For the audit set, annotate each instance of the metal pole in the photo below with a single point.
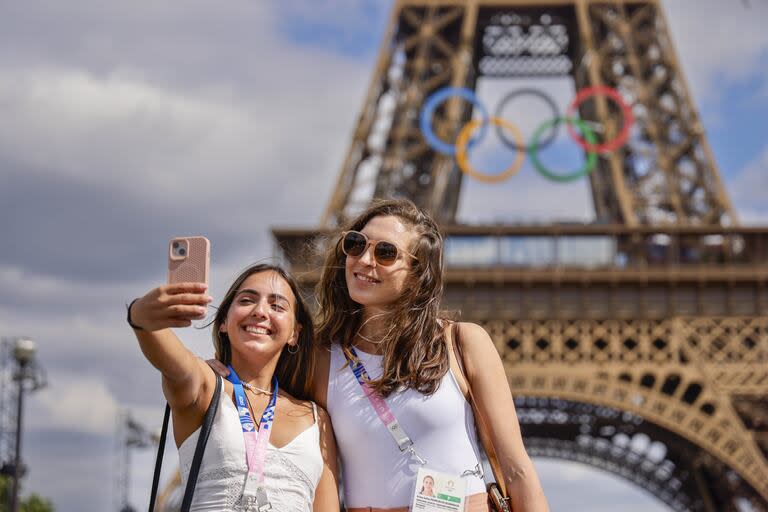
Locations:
(17, 463)
(126, 501)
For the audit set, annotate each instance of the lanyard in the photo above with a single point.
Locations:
(256, 442)
(382, 409)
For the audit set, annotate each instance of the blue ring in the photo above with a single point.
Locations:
(431, 104)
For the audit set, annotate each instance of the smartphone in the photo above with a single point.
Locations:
(189, 259)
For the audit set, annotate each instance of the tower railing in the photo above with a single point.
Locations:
(696, 252)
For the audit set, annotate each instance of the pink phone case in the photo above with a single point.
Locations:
(188, 259)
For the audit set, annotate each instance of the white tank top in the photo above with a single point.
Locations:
(376, 473)
(291, 472)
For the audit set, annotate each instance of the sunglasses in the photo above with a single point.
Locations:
(354, 243)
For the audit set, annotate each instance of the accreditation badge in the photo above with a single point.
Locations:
(438, 492)
(254, 496)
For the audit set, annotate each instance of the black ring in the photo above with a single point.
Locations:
(547, 99)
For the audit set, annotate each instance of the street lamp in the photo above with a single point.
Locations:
(24, 351)
(132, 435)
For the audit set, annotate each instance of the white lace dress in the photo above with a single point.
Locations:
(291, 473)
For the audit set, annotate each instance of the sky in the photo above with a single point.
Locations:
(127, 123)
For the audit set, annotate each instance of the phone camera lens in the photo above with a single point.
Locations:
(182, 251)
(175, 245)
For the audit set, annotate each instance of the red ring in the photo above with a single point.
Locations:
(626, 112)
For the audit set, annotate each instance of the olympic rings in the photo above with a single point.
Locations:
(587, 140)
(626, 111)
(591, 155)
(429, 109)
(463, 161)
(512, 95)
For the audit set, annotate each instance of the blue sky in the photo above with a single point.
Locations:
(128, 123)
(736, 127)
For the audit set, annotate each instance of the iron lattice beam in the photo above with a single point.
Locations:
(426, 47)
(666, 174)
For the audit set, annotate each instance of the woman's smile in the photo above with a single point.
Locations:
(365, 278)
(257, 329)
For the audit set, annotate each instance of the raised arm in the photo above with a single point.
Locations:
(327, 493)
(490, 388)
(185, 376)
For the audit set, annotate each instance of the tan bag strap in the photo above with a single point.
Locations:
(485, 437)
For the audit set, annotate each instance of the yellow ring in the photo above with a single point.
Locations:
(461, 151)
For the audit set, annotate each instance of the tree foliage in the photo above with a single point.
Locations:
(32, 503)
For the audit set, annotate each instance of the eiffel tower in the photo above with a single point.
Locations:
(649, 358)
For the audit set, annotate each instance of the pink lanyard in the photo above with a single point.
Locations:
(256, 443)
(382, 409)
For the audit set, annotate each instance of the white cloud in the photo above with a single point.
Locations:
(750, 190)
(718, 43)
(111, 129)
(28, 287)
(74, 402)
(122, 133)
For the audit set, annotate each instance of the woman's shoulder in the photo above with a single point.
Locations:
(470, 329)
(473, 339)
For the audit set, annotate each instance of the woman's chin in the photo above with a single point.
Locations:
(365, 299)
(257, 347)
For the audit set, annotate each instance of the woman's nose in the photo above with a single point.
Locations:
(259, 309)
(367, 258)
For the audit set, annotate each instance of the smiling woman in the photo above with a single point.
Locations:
(263, 332)
(391, 381)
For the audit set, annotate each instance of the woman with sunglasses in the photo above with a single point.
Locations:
(388, 376)
(263, 332)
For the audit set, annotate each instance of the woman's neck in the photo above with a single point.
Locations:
(373, 329)
(254, 372)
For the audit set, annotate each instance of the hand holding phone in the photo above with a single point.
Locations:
(183, 299)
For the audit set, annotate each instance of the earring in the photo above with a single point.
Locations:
(293, 352)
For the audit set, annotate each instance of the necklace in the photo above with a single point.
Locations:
(256, 389)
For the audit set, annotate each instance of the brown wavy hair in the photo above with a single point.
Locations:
(294, 370)
(414, 348)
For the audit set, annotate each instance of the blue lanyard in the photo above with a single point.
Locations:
(255, 442)
(246, 422)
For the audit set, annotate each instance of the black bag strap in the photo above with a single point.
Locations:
(159, 459)
(205, 431)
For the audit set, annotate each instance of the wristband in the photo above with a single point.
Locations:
(128, 316)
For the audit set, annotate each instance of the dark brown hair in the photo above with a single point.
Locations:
(414, 348)
(294, 370)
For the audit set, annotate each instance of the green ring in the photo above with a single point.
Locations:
(589, 136)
